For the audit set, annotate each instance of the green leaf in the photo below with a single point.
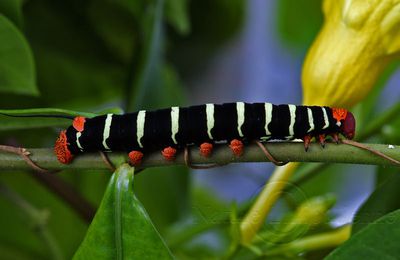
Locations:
(379, 240)
(12, 120)
(383, 200)
(121, 228)
(17, 70)
(74, 79)
(12, 9)
(75, 67)
(149, 72)
(116, 27)
(177, 15)
(134, 7)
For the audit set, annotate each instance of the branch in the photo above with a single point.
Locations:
(68, 193)
(37, 218)
(282, 151)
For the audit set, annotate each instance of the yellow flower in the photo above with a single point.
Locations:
(357, 41)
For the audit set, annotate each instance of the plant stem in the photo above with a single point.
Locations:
(282, 151)
(67, 193)
(313, 242)
(376, 124)
(265, 200)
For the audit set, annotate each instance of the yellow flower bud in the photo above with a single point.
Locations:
(357, 41)
(313, 242)
(309, 214)
(313, 211)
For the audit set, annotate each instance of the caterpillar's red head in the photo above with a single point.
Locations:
(346, 121)
(61, 149)
(349, 126)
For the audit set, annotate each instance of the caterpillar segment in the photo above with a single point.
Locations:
(171, 129)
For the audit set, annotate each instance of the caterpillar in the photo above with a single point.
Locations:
(202, 125)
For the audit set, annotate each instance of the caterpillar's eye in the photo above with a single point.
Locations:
(61, 149)
(349, 126)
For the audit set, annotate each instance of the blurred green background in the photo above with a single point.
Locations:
(91, 55)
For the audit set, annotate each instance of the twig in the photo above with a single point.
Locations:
(35, 216)
(378, 153)
(282, 151)
(67, 193)
(55, 184)
(25, 155)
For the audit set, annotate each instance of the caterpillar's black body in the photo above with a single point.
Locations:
(178, 127)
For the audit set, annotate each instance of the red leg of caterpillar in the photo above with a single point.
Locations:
(236, 147)
(135, 157)
(321, 139)
(206, 149)
(335, 138)
(307, 141)
(169, 153)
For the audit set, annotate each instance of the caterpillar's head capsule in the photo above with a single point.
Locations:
(348, 127)
(345, 121)
(61, 149)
